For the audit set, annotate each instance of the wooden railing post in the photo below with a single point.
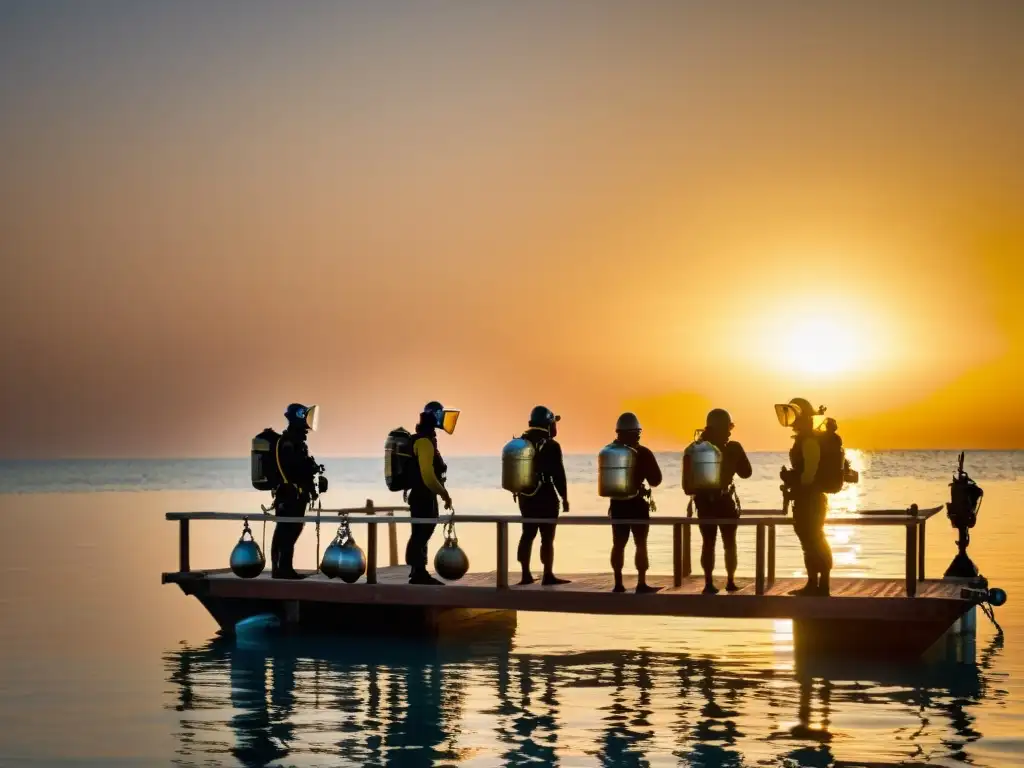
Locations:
(687, 562)
(392, 541)
(371, 553)
(183, 546)
(911, 560)
(920, 549)
(677, 555)
(771, 555)
(503, 555)
(759, 561)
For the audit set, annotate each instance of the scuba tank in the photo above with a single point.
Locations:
(833, 468)
(616, 472)
(397, 458)
(263, 460)
(702, 467)
(519, 467)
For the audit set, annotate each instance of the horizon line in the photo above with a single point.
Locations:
(11, 459)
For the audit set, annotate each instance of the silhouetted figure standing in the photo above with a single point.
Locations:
(428, 476)
(543, 502)
(648, 475)
(721, 504)
(810, 505)
(299, 486)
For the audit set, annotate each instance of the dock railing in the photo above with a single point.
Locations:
(765, 520)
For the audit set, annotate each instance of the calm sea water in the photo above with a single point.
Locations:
(101, 665)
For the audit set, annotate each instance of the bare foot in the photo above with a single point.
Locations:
(550, 581)
(646, 589)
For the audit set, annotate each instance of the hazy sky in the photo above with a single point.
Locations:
(209, 210)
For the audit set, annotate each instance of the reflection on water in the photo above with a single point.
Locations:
(566, 690)
(318, 701)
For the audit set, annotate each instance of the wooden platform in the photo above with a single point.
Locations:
(865, 599)
(862, 616)
(888, 616)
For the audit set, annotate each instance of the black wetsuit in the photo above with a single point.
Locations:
(544, 502)
(636, 508)
(810, 506)
(718, 505)
(291, 498)
(423, 501)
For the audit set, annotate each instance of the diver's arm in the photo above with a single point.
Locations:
(556, 470)
(652, 471)
(425, 455)
(812, 453)
(740, 461)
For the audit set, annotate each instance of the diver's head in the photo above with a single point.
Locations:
(798, 413)
(302, 418)
(542, 417)
(627, 428)
(719, 422)
(436, 416)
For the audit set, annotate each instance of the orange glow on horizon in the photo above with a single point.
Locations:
(659, 209)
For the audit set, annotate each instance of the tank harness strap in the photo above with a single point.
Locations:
(541, 479)
(736, 498)
(643, 490)
(280, 467)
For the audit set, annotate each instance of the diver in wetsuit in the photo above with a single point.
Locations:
(720, 504)
(810, 505)
(428, 476)
(627, 432)
(543, 502)
(299, 486)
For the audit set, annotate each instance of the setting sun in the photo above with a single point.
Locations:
(825, 348)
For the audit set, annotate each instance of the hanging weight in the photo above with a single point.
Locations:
(247, 561)
(450, 562)
(343, 558)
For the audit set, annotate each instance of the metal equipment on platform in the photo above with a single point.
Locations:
(343, 559)
(962, 511)
(247, 560)
(451, 562)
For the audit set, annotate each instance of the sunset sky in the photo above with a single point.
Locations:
(210, 210)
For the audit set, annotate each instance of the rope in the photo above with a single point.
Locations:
(449, 528)
(987, 610)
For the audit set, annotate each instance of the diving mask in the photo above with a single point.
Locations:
(789, 413)
(306, 415)
(444, 418)
(311, 417)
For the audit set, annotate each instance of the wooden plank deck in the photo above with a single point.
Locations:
(851, 599)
